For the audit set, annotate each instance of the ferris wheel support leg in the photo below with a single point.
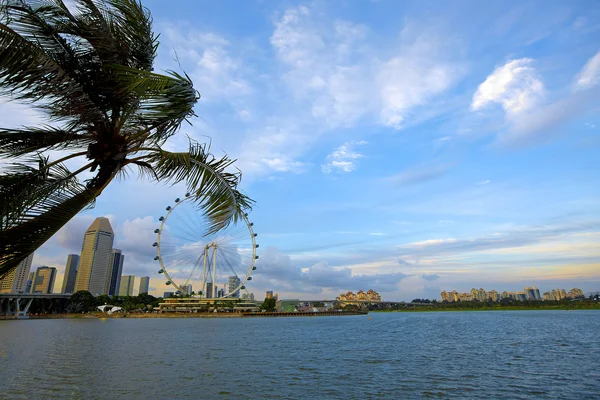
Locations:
(204, 283)
(214, 271)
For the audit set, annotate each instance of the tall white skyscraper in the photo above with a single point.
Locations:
(94, 271)
(116, 265)
(68, 284)
(126, 286)
(144, 284)
(16, 280)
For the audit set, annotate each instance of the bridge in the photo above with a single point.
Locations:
(16, 305)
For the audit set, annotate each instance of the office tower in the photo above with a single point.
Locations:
(186, 289)
(116, 269)
(269, 294)
(234, 282)
(209, 291)
(68, 284)
(43, 281)
(145, 283)
(126, 286)
(93, 274)
(16, 280)
(29, 282)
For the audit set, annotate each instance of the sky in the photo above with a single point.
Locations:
(406, 147)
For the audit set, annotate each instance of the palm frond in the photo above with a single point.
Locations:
(35, 202)
(207, 178)
(17, 142)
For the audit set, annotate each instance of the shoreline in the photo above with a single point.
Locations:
(99, 315)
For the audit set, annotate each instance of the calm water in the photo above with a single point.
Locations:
(521, 355)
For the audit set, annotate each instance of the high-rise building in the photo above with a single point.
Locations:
(233, 283)
(43, 281)
(116, 269)
(16, 280)
(145, 284)
(209, 291)
(68, 285)
(29, 282)
(126, 286)
(94, 271)
(269, 294)
(186, 289)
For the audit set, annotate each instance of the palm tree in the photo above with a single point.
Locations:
(88, 66)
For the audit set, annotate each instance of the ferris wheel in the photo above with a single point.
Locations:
(217, 264)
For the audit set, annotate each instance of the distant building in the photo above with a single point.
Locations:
(29, 282)
(68, 285)
(126, 286)
(116, 269)
(43, 281)
(233, 284)
(94, 272)
(269, 294)
(575, 293)
(16, 280)
(186, 289)
(167, 294)
(209, 291)
(532, 293)
(145, 284)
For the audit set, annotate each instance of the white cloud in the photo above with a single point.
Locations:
(590, 74)
(514, 85)
(342, 159)
(484, 182)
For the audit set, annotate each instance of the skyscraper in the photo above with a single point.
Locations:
(116, 269)
(144, 284)
(43, 281)
(29, 282)
(68, 284)
(16, 280)
(126, 286)
(186, 289)
(93, 274)
(209, 291)
(234, 282)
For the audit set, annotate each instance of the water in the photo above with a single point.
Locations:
(513, 354)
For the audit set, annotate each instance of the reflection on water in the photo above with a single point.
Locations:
(515, 354)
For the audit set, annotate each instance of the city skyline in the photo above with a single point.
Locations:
(440, 176)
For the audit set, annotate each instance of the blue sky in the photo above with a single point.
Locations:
(408, 147)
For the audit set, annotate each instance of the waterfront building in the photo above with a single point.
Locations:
(126, 286)
(29, 282)
(43, 281)
(116, 269)
(209, 291)
(94, 273)
(167, 294)
(575, 293)
(16, 280)
(233, 283)
(269, 294)
(532, 293)
(145, 284)
(68, 285)
(186, 289)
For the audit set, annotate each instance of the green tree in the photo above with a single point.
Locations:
(82, 301)
(89, 67)
(269, 304)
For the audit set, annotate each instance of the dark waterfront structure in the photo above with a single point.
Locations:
(68, 285)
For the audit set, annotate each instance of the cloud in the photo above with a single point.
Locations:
(416, 175)
(430, 277)
(514, 85)
(484, 182)
(590, 74)
(343, 158)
